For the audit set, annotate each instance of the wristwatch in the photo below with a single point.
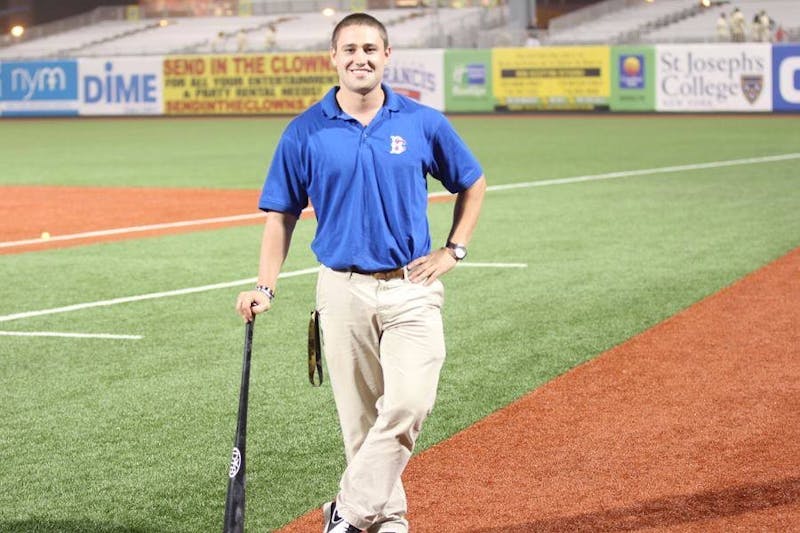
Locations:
(459, 251)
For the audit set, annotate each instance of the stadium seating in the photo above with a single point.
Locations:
(610, 22)
(422, 29)
(701, 28)
(66, 43)
(665, 21)
(294, 32)
(622, 25)
(181, 35)
(311, 31)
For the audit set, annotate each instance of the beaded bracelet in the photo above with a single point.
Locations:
(267, 291)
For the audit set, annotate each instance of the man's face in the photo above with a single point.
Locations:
(360, 58)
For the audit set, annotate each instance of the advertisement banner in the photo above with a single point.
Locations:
(786, 77)
(121, 86)
(714, 77)
(551, 78)
(132, 13)
(418, 74)
(38, 88)
(468, 80)
(633, 78)
(246, 84)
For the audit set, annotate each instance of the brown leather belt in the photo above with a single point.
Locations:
(383, 275)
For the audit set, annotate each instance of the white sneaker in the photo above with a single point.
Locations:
(333, 521)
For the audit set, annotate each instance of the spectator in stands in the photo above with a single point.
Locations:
(755, 25)
(737, 26)
(219, 42)
(241, 41)
(532, 41)
(763, 27)
(780, 35)
(723, 29)
(270, 38)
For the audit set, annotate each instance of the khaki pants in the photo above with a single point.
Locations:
(384, 346)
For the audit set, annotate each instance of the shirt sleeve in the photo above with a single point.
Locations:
(453, 162)
(285, 186)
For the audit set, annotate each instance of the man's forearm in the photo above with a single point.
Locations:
(275, 241)
(466, 212)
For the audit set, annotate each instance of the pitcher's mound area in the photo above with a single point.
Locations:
(693, 425)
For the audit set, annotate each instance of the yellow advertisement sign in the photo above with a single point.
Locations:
(557, 78)
(246, 83)
(132, 13)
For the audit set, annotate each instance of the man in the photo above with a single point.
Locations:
(270, 38)
(723, 30)
(737, 26)
(219, 43)
(764, 27)
(241, 41)
(361, 155)
(532, 41)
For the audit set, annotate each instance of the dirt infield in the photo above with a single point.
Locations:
(76, 216)
(71, 210)
(694, 425)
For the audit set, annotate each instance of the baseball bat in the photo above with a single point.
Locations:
(234, 503)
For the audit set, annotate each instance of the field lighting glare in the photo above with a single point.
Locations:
(328, 12)
(17, 31)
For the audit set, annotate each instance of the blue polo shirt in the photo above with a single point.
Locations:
(368, 185)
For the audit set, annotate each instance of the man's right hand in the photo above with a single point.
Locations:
(251, 303)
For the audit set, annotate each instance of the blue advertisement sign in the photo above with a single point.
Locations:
(786, 77)
(631, 71)
(39, 87)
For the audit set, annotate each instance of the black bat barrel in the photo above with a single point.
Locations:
(234, 503)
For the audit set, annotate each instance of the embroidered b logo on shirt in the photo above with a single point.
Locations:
(398, 145)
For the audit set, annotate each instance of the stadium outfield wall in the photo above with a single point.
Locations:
(750, 77)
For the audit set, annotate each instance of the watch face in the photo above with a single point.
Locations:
(460, 252)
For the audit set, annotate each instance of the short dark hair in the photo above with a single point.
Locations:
(360, 19)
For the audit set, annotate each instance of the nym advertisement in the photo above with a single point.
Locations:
(36, 88)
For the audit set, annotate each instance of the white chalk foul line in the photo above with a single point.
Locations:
(492, 265)
(69, 335)
(132, 229)
(647, 172)
(117, 301)
(192, 290)
(541, 183)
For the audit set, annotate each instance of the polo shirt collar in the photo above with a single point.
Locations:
(392, 102)
(331, 109)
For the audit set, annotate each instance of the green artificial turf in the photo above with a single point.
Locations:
(134, 435)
